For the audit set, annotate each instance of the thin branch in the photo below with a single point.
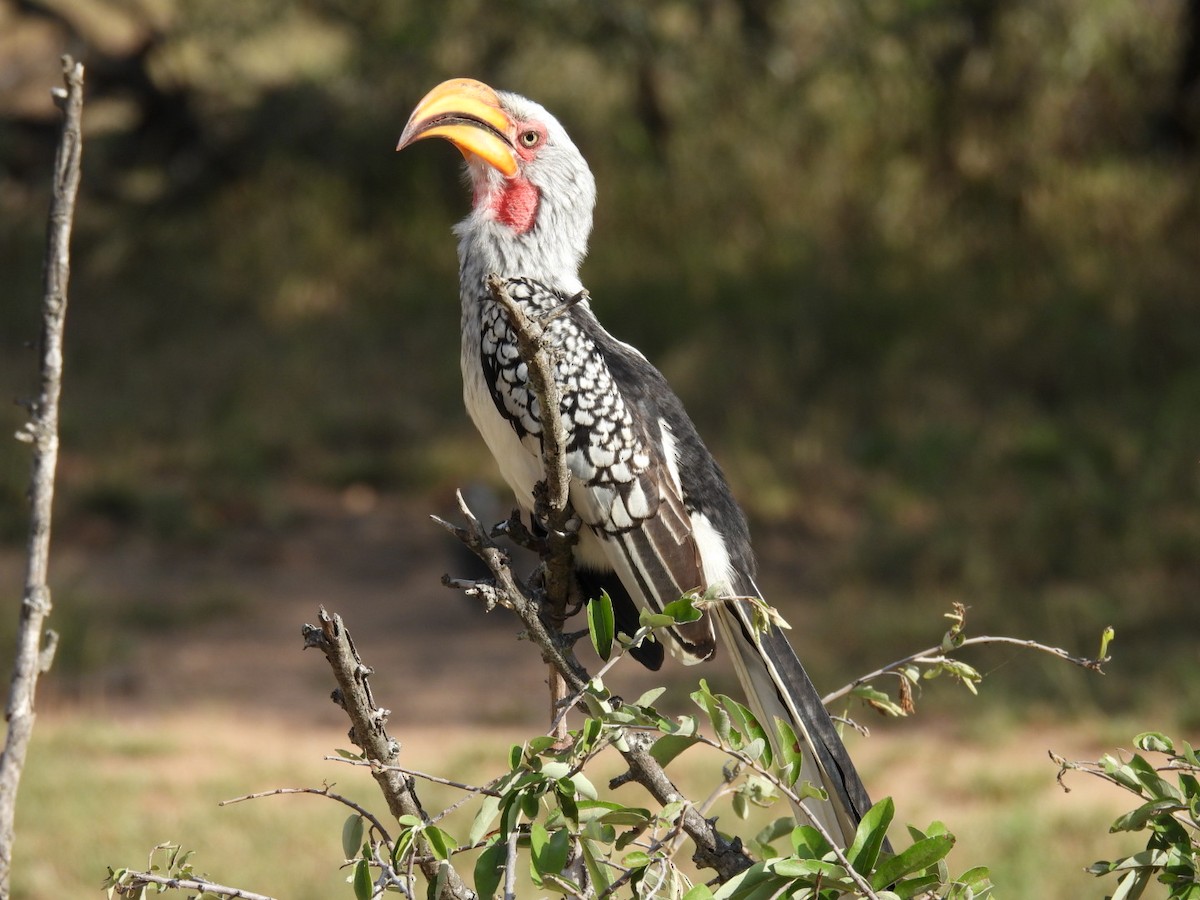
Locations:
(320, 792)
(787, 791)
(510, 866)
(35, 651)
(436, 779)
(673, 838)
(938, 653)
(368, 733)
(132, 882)
(570, 702)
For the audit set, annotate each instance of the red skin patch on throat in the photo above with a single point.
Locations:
(516, 205)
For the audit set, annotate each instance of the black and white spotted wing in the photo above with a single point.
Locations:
(622, 486)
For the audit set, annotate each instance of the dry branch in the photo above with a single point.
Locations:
(35, 650)
(133, 884)
(367, 732)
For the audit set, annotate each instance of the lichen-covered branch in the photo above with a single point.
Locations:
(35, 647)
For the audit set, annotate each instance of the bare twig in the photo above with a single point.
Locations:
(368, 733)
(35, 651)
(320, 792)
(936, 654)
(436, 779)
(132, 884)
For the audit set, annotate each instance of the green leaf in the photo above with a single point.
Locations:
(682, 610)
(754, 882)
(565, 792)
(878, 700)
(538, 839)
(1136, 819)
(871, 833)
(583, 786)
(699, 892)
(669, 746)
(808, 843)
(439, 842)
(1106, 638)
(1155, 742)
(750, 727)
(555, 853)
(638, 818)
(590, 733)
(489, 808)
(761, 842)
(1157, 786)
(352, 836)
(348, 754)
(489, 869)
(540, 744)
(789, 750)
(601, 624)
(438, 885)
(553, 768)
(919, 856)
(717, 714)
(362, 880)
(1120, 772)
(529, 803)
(654, 620)
(1132, 885)
(594, 862)
(799, 868)
(741, 806)
(977, 879)
(647, 699)
(636, 859)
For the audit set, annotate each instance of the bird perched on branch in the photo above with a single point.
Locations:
(658, 518)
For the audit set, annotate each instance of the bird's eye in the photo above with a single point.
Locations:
(530, 138)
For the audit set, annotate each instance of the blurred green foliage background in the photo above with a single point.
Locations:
(925, 272)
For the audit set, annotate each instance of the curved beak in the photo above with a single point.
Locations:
(467, 113)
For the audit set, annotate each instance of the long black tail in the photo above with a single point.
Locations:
(776, 685)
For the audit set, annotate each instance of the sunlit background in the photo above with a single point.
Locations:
(926, 275)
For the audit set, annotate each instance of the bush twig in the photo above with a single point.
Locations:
(937, 654)
(133, 883)
(368, 733)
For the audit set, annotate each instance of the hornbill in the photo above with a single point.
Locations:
(658, 518)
